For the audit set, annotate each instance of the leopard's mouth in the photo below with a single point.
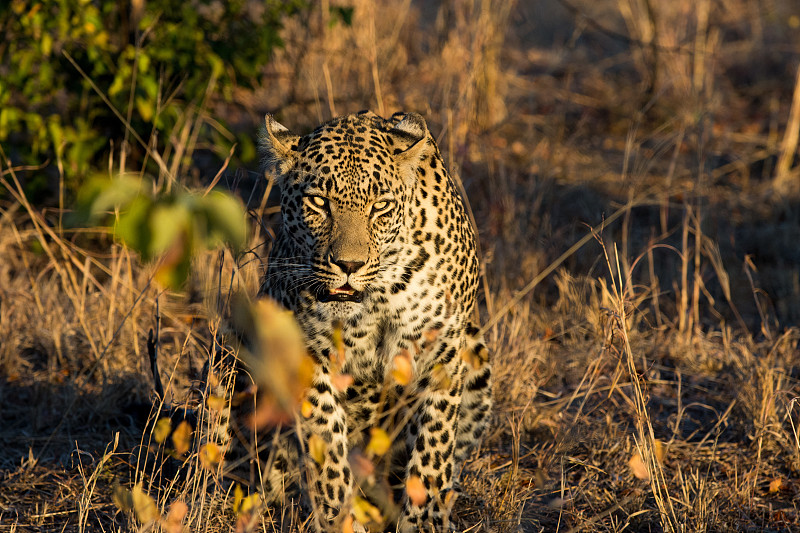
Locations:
(345, 293)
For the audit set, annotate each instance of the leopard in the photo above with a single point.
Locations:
(376, 257)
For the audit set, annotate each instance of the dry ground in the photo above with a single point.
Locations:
(645, 381)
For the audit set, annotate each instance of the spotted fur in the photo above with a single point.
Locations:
(375, 244)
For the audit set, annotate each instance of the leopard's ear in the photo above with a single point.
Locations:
(412, 142)
(277, 146)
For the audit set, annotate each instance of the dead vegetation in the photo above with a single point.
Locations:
(646, 380)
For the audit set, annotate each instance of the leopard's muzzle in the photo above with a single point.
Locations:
(345, 293)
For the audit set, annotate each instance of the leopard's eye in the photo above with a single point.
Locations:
(380, 207)
(318, 202)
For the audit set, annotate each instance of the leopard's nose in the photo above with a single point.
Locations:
(349, 267)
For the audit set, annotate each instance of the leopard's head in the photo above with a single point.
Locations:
(346, 190)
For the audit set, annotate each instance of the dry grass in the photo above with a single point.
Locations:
(649, 383)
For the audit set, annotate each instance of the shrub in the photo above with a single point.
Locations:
(152, 59)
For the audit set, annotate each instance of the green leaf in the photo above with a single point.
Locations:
(145, 107)
(119, 81)
(149, 83)
(56, 133)
(168, 222)
(132, 227)
(175, 266)
(110, 194)
(46, 44)
(143, 62)
(224, 220)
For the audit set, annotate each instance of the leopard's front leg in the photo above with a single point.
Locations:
(432, 451)
(328, 474)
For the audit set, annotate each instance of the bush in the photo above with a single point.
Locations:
(153, 59)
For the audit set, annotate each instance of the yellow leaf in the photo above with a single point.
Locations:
(415, 489)
(182, 437)
(638, 467)
(450, 499)
(173, 523)
(268, 414)
(46, 44)
(441, 379)
(365, 511)
(317, 448)
(341, 381)
(347, 525)
(659, 451)
(242, 504)
(305, 372)
(469, 357)
(379, 442)
(145, 107)
(431, 335)
(306, 408)
(101, 39)
(238, 496)
(338, 358)
(250, 503)
(122, 498)
(144, 506)
(215, 403)
(403, 370)
(278, 358)
(776, 485)
(162, 430)
(475, 359)
(210, 455)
